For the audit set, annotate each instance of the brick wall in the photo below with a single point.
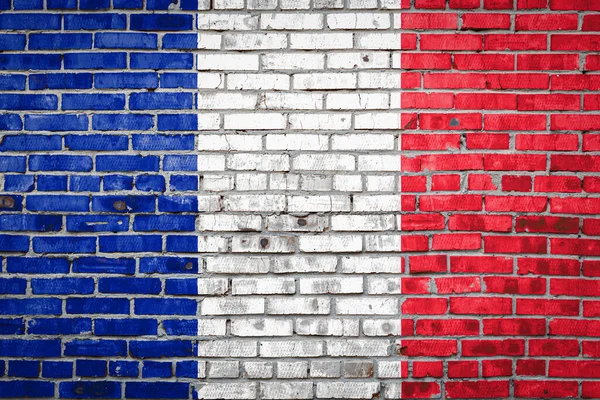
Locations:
(203, 199)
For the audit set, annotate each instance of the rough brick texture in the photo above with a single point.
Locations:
(299, 199)
(500, 198)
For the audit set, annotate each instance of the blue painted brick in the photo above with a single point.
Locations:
(158, 101)
(95, 60)
(11, 326)
(110, 40)
(23, 368)
(165, 307)
(149, 183)
(154, 142)
(61, 4)
(10, 122)
(178, 203)
(10, 41)
(122, 122)
(14, 243)
(37, 265)
(157, 369)
(60, 81)
(92, 22)
(117, 182)
(30, 222)
(4, 4)
(157, 390)
(123, 204)
(102, 265)
(90, 390)
(168, 265)
(28, 4)
(182, 244)
(127, 163)
(180, 41)
(96, 348)
(183, 182)
(24, 62)
(64, 244)
(181, 286)
(59, 122)
(79, 183)
(31, 142)
(93, 102)
(161, 60)
(57, 203)
(59, 326)
(11, 202)
(30, 21)
(125, 327)
(130, 243)
(30, 348)
(128, 4)
(90, 368)
(27, 388)
(38, 306)
(178, 80)
(97, 306)
(52, 183)
(98, 142)
(161, 348)
(60, 41)
(126, 80)
(12, 82)
(179, 122)
(97, 223)
(28, 102)
(164, 223)
(13, 286)
(12, 164)
(175, 162)
(129, 285)
(181, 327)
(63, 286)
(161, 22)
(186, 369)
(94, 4)
(57, 369)
(123, 368)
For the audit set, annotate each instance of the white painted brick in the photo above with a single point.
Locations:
(320, 122)
(262, 4)
(362, 142)
(208, 121)
(284, 181)
(258, 162)
(368, 306)
(389, 369)
(325, 369)
(381, 243)
(212, 327)
(376, 203)
(251, 181)
(348, 183)
(298, 305)
(328, 4)
(286, 390)
(379, 41)
(209, 203)
(327, 327)
(255, 121)
(261, 327)
(258, 81)
(291, 101)
(258, 370)
(232, 306)
(223, 369)
(243, 286)
(237, 265)
(379, 80)
(378, 183)
(377, 121)
(211, 162)
(293, 61)
(291, 21)
(319, 203)
(245, 390)
(263, 244)
(254, 203)
(294, 4)
(226, 62)
(254, 41)
(229, 142)
(210, 80)
(316, 183)
(379, 163)
(330, 243)
(212, 286)
(382, 327)
(209, 41)
(370, 265)
(228, 4)
(309, 41)
(212, 244)
(347, 390)
(358, 21)
(304, 264)
(357, 101)
(324, 81)
(330, 285)
(362, 222)
(358, 347)
(229, 223)
(324, 162)
(297, 142)
(377, 285)
(363, 60)
(217, 183)
(289, 223)
(292, 370)
(222, 101)
(291, 348)
(227, 348)
(226, 21)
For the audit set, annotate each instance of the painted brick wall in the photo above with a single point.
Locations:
(500, 198)
(202, 199)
